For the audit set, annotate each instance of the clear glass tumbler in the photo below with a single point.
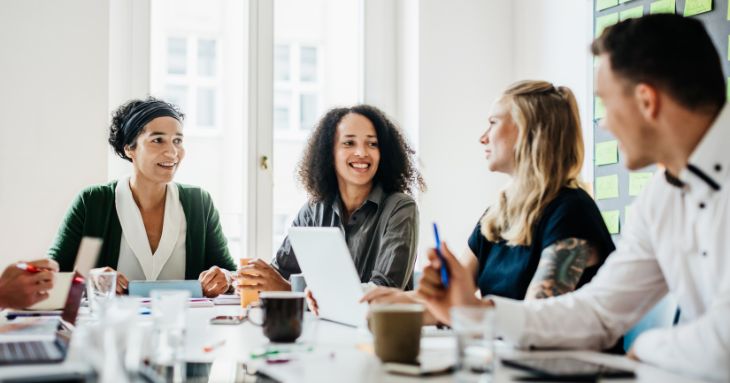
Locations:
(474, 329)
(101, 286)
(169, 311)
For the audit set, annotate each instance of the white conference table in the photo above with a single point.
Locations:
(328, 352)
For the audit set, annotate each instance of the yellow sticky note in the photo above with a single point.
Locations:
(599, 111)
(663, 6)
(638, 181)
(607, 187)
(695, 7)
(611, 217)
(607, 153)
(605, 21)
(603, 4)
(632, 13)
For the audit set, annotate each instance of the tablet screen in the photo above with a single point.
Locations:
(557, 367)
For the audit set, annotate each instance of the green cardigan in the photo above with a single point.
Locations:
(94, 214)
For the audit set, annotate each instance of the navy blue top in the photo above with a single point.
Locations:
(507, 271)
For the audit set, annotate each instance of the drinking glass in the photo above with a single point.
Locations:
(474, 329)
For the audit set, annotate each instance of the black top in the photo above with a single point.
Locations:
(506, 271)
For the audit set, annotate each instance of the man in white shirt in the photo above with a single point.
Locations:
(662, 84)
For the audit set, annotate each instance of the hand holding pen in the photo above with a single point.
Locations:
(25, 283)
(446, 283)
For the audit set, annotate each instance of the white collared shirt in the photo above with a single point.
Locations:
(136, 260)
(677, 239)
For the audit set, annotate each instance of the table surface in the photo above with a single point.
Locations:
(327, 352)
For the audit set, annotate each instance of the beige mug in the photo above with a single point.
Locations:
(396, 331)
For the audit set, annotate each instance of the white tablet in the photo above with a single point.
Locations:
(327, 265)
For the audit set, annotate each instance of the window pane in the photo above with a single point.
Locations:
(210, 88)
(282, 110)
(307, 111)
(177, 95)
(206, 107)
(282, 66)
(177, 53)
(309, 64)
(206, 57)
(301, 29)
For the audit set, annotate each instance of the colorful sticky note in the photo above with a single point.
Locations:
(632, 13)
(603, 4)
(607, 187)
(599, 111)
(728, 88)
(611, 217)
(695, 7)
(607, 153)
(663, 6)
(605, 21)
(638, 181)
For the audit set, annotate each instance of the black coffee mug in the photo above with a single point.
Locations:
(282, 315)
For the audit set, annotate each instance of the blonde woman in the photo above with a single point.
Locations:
(544, 236)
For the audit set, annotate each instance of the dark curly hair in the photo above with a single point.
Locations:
(396, 172)
(117, 137)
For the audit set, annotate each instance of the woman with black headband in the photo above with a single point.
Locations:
(153, 228)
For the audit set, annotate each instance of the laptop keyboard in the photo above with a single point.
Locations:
(28, 352)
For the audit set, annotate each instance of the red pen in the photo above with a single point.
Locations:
(28, 267)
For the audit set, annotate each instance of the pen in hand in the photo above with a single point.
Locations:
(444, 268)
(28, 267)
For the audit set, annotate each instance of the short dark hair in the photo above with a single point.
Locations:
(119, 138)
(396, 172)
(670, 52)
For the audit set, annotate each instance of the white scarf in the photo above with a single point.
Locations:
(135, 243)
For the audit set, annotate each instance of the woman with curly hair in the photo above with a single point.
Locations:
(153, 228)
(358, 171)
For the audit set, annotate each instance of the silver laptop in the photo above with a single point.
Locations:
(54, 351)
(327, 265)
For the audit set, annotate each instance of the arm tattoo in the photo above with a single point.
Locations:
(560, 268)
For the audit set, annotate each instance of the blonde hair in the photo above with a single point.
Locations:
(548, 156)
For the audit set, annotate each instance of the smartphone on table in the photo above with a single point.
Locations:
(227, 319)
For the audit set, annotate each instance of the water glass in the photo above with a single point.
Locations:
(169, 309)
(474, 329)
(100, 288)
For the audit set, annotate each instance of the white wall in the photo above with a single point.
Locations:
(552, 43)
(465, 60)
(469, 51)
(53, 92)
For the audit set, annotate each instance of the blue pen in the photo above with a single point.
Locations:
(444, 268)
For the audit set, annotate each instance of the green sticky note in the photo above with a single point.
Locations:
(695, 7)
(662, 6)
(728, 88)
(637, 182)
(611, 217)
(605, 21)
(607, 187)
(603, 4)
(632, 13)
(599, 111)
(607, 153)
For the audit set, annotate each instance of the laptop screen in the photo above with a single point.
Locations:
(73, 301)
